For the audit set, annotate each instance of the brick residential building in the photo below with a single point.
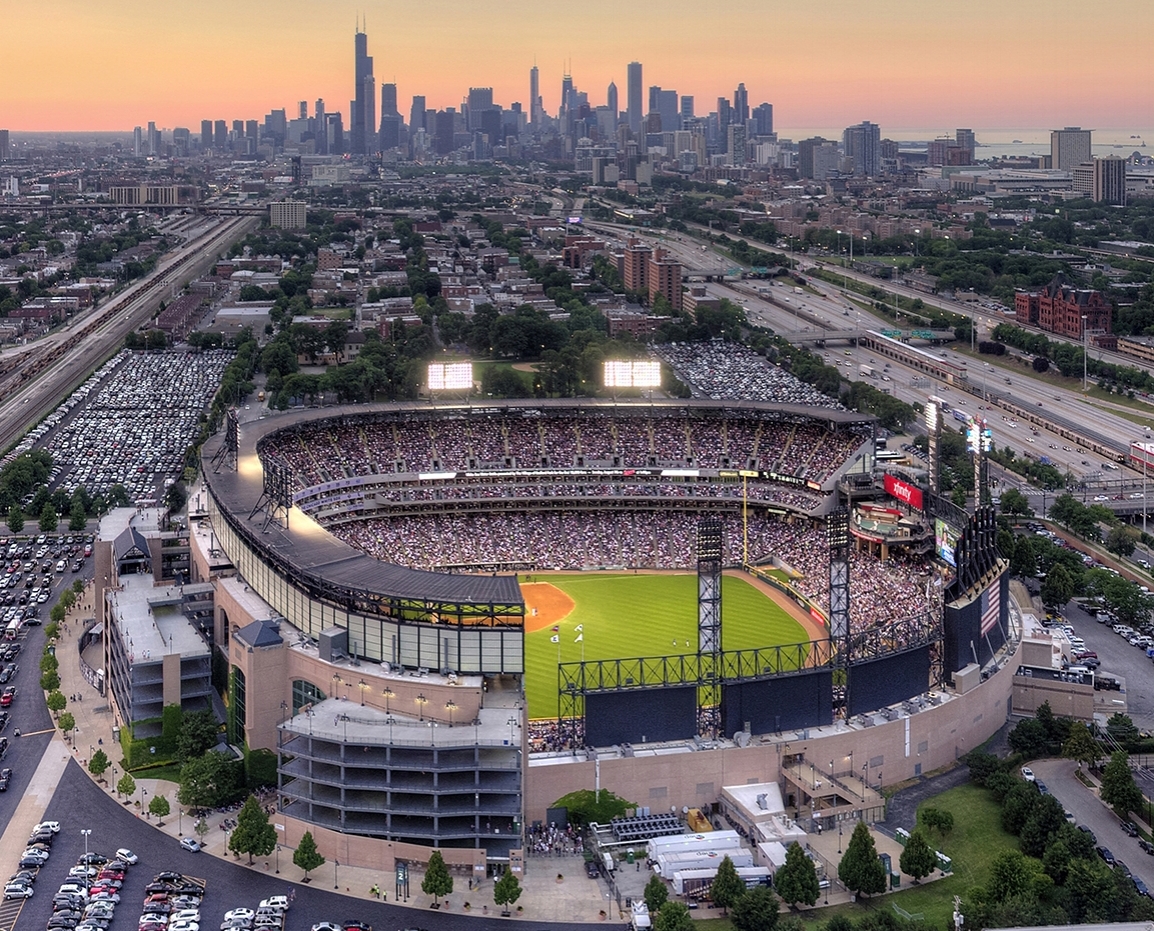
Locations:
(1059, 308)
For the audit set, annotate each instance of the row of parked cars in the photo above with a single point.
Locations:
(171, 903)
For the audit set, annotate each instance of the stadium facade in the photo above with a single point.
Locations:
(393, 696)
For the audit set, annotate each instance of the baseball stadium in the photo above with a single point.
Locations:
(494, 605)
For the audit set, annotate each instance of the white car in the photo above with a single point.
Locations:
(53, 826)
(17, 891)
(183, 926)
(191, 844)
(127, 856)
(245, 913)
(185, 914)
(1028, 774)
(276, 901)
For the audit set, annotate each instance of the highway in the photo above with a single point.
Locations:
(40, 376)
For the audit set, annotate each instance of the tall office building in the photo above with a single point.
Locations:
(735, 144)
(4, 145)
(417, 114)
(206, 134)
(740, 104)
(320, 125)
(137, 142)
(1103, 180)
(762, 117)
(967, 142)
(611, 101)
(686, 108)
(479, 100)
(390, 118)
(180, 143)
(535, 98)
(667, 106)
(363, 107)
(634, 102)
(862, 143)
(220, 135)
(153, 141)
(1069, 148)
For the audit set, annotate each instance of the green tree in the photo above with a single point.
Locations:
(50, 680)
(66, 722)
(437, 881)
(656, 894)
(1122, 539)
(15, 518)
(917, 859)
(99, 764)
(201, 828)
(1121, 728)
(674, 916)
(860, 870)
(77, 518)
(1023, 562)
(158, 805)
(253, 834)
(126, 787)
(1058, 587)
(198, 734)
(757, 910)
(585, 806)
(1011, 874)
(1014, 502)
(1119, 790)
(796, 879)
(727, 886)
(1081, 745)
(49, 519)
(506, 891)
(209, 781)
(306, 856)
(56, 701)
(1028, 737)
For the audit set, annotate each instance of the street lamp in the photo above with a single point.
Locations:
(388, 693)
(421, 702)
(278, 859)
(839, 838)
(450, 706)
(85, 832)
(143, 807)
(336, 868)
(362, 687)
(115, 784)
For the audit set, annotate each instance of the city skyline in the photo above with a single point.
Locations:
(114, 66)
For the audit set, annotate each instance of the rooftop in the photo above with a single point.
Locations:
(151, 620)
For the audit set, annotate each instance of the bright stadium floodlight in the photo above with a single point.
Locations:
(451, 376)
(637, 373)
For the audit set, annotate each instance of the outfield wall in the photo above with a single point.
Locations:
(892, 751)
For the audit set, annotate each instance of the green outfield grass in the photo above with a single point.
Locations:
(643, 615)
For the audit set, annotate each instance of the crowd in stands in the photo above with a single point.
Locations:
(548, 735)
(733, 372)
(880, 592)
(326, 451)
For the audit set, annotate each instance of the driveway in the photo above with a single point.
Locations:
(1086, 807)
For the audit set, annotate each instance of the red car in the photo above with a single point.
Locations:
(8, 696)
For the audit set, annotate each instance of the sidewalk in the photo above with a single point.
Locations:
(574, 898)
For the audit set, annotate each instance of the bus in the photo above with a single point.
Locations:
(12, 631)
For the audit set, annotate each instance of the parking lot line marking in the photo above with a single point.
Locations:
(50, 730)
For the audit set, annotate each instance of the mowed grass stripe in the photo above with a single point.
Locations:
(625, 615)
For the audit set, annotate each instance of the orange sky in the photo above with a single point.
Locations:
(925, 64)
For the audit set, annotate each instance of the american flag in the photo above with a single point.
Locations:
(992, 596)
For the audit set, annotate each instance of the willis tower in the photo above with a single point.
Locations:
(363, 110)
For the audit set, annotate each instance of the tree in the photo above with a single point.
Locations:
(584, 806)
(796, 879)
(49, 519)
(1122, 540)
(1058, 587)
(126, 786)
(15, 518)
(66, 722)
(1119, 790)
(1028, 738)
(437, 881)
(727, 886)
(1011, 874)
(158, 805)
(1014, 502)
(50, 681)
(306, 856)
(937, 819)
(56, 701)
(99, 764)
(860, 870)
(198, 734)
(674, 916)
(201, 828)
(917, 859)
(208, 781)
(253, 834)
(756, 910)
(1081, 745)
(506, 891)
(656, 894)
(982, 765)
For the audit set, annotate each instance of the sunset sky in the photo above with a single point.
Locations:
(906, 64)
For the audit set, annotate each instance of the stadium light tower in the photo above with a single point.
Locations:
(632, 373)
(449, 377)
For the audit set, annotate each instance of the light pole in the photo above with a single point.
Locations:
(85, 832)
(278, 859)
(421, 702)
(388, 693)
(143, 807)
(450, 706)
(115, 784)
(336, 868)
(362, 686)
(1085, 344)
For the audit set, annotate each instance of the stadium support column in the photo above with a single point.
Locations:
(226, 455)
(710, 546)
(276, 497)
(838, 534)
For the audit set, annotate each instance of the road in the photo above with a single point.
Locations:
(1088, 810)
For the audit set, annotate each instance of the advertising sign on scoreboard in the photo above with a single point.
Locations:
(904, 491)
(632, 373)
(451, 376)
(945, 541)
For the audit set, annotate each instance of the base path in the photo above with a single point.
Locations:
(545, 605)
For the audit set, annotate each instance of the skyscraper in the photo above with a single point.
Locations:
(137, 142)
(1069, 148)
(206, 134)
(3, 145)
(740, 104)
(611, 101)
(479, 100)
(535, 97)
(762, 117)
(686, 108)
(363, 107)
(320, 128)
(862, 143)
(634, 101)
(390, 118)
(417, 114)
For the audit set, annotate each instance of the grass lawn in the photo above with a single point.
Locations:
(643, 615)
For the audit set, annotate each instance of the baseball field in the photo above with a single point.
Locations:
(618, 615)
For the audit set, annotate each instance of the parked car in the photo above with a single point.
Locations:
(191, 844)
(1027, 774)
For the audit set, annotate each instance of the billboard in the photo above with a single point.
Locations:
(945, 540)
(632, 373)
(904, 492)
(451, 376)
(640, 715)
